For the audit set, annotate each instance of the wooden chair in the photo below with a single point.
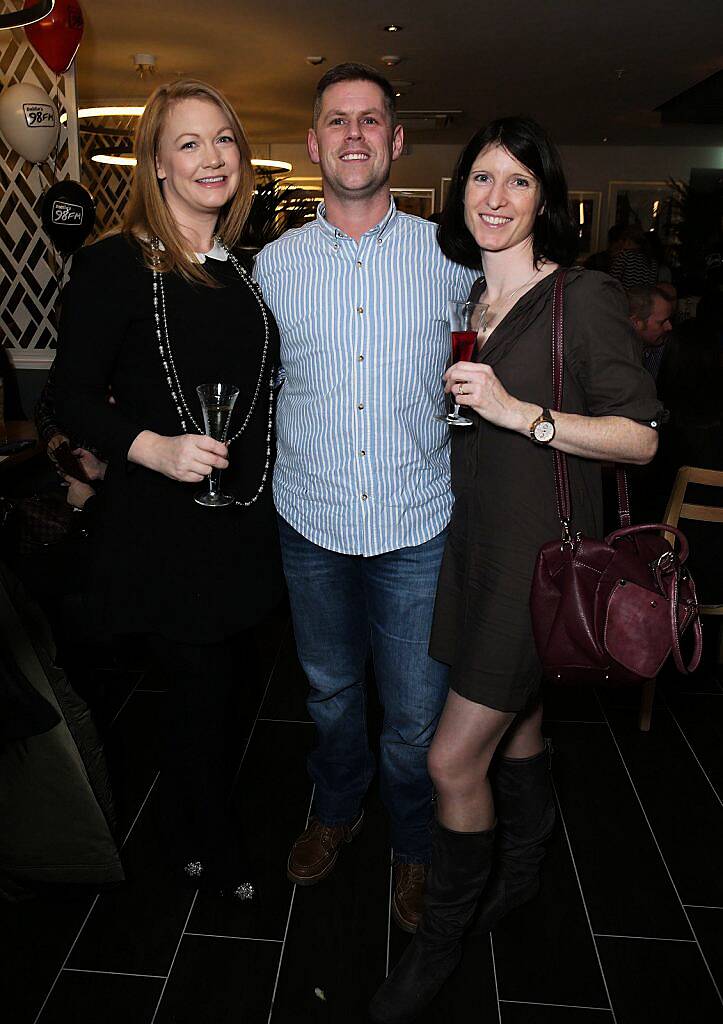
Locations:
(679, 509)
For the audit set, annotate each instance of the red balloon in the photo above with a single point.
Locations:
(57, 37)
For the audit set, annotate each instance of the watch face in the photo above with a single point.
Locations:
(544, 432)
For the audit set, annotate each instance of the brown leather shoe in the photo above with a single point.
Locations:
(408, 899)
(314, 853)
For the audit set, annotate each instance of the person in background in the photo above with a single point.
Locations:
(651, 311)
(362, 479)
(632, 265)
(602, 261)
(690, 384)
(92, 467)
(152, 312)
(507, 214)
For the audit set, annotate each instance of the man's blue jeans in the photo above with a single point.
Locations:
(341, 604)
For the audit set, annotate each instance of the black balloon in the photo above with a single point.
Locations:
(68, 215)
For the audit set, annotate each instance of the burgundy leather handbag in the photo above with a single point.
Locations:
(609, 611)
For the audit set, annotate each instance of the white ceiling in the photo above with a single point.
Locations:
(557, 61)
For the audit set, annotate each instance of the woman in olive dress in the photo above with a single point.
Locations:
(507, 214)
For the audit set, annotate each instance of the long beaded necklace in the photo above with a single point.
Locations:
(169, 365)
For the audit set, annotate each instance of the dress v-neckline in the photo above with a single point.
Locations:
(492, 339)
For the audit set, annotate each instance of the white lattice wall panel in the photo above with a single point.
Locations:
(109, 183)
(28, 264)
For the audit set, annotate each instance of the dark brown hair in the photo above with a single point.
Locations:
(351, 72)
(524, 139)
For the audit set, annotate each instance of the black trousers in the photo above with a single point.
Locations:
(201, 742)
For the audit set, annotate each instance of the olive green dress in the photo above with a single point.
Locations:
(503, 483)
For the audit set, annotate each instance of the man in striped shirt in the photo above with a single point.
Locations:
(361, 482)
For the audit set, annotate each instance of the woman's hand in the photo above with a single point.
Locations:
(93, 467)
(55, 442)
(188, 458)
(476, 386)
(605, 438)
(78, 492)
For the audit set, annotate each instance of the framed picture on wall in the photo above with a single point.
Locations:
(418, 201)
(649, 205)
(585, 213)
(443, 190)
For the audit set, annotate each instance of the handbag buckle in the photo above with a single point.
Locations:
(666, 562)
(566, 535)
(568, 540)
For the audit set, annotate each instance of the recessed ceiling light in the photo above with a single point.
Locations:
(391, 60)
(393, 28)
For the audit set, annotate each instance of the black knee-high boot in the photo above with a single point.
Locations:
(460, 867)
(525, 819)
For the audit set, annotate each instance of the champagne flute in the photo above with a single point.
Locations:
(217, 402)
(465, 321)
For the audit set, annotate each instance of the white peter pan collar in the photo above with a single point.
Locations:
(217, 252)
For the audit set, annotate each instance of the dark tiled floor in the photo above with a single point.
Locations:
(626, 930)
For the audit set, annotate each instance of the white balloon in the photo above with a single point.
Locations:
(29, 121)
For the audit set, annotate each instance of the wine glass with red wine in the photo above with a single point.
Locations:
(465, 321)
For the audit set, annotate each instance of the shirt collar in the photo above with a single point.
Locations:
(333, 233)
(217, 252)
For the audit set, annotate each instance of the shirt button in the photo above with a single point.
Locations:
(362, 452)
(361, 359)
(360, 406)
(358, 263)
(364, 497)
(360, 309)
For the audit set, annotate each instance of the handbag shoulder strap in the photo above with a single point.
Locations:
(562, 480)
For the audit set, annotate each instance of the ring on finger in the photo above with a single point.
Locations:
(460, 388)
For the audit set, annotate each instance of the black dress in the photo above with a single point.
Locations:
(504, 488)
(164, 564)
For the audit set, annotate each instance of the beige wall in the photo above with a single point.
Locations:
(588, 168)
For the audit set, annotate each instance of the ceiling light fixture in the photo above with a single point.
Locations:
(314, 60)
(124, 158)
(145, 64)
(119, 157)
(391, 60)
(28, 16)
(393, 28)
(105, 112)
(272, 166)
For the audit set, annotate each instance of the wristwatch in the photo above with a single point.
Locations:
(542, 430)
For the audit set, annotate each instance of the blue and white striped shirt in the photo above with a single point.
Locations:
(362, 465)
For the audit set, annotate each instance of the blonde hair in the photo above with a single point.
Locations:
(146, 214)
